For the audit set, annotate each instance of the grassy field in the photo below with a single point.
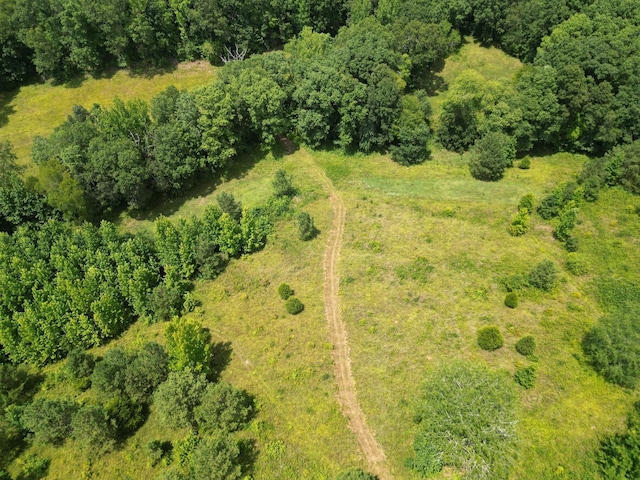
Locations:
(37, 109)
(397, 220)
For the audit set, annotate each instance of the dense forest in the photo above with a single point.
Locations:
(354, 76)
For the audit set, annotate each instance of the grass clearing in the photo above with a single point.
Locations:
(38, 108)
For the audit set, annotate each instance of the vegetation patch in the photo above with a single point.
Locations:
(511, 300)
(417, 270)
(526, 376)
(490, 338)
(294, 306)
(526, 346)
(467, 420)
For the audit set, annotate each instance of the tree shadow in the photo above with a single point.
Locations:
(6, 109)
(166, 206)
(248, 456)
(150, 71)
(221, 357)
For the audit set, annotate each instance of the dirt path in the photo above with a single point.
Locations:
(338, 335)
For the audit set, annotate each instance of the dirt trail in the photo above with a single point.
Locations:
(338, 335)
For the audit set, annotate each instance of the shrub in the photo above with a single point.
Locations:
(490, 338)
(619, 455)
(550, 206)
(49, 420)
(177, 397)
(306, 229)
(229, 205)
(156, 451)
(166, 302)
(520, 223)
(92, 430)
(612, 346)
(285, 291)
(189, 345)
(355, 474)
(526, 376)
(491, 156)
(34, 466)
(294, 306)
(526, 203)
(514, 282)
(576, 265)
(571, 244)
(525, 163)
(467, 421)
(511, 300)
(79, 367)
(282, 184)
(223, 408)
(543, 276)
(566, 221)
(125, 415)
(526, 346)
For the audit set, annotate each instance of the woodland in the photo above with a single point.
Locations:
(356, 83)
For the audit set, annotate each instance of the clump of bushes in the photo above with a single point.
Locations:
(543, 276)
(526, 346)
(526, 376)
(526, 203)
(285, 291)
(511, 300)
(619, 455)
(490, 338)
(571, 244)
(294, 306)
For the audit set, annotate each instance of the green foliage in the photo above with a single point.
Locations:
(189, 346)
(525, 163)
(490, 338)
(576, 265)
(285, 291)
(566, 221)
(571, 244)
(306, 228)
(109, 374)
(294, 306)
(526, 203)
(491, 156)
(543, 276)
(619, 453)
(34, 467)
(511, 300)
(417, 270)
(125, 415)
(526, 346)
(520, 223)
(79, 367)
(217, 458)
(411, 131)
(526, 376)
(176, 398)
(514, 282)
(157, 451)
(223, 408)
(612, 346)
(229, 205)
(467, 421)
(166, 302)
(92, 430)
(355, 474)
(48, 420)
(282, 184)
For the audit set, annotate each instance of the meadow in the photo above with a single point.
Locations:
(424, 254)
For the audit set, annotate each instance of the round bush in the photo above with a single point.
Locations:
(526, 376)
(526, 345)
(571, 244)
(294, 306)
(490, 338)
(285, 291)
(525, 163)
(511, 300)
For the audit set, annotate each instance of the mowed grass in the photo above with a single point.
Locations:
(38, 108)
(399, 327)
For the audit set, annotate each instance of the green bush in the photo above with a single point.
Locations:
(566, 221)
(355, 474)
(612, 346)
(514, 282)
(282, 184)
(543, 276)
(491, 156)
(294, 306)
(49, 420)
(526, 203)
(526, 376)
(490, 338)
(306, 228)
(576, 265)
(79, 367)
(619, 454)
(125, 415)
(34, 467)
(511, 300)
(571, 244)
(525, 163)
(229, 205)
(526, 346)
(520, 223)
(285, 291)
(467, 421)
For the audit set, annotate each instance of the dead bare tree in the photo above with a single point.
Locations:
(233, 55)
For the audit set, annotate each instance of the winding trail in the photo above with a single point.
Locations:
(347, 395)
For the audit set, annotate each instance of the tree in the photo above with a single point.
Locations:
(217, 458)
(229, 205)
(543, 276)
(223, 408)
(148, 369)
(282, 184)
(49, 420)
(92, 430)
(109, 375)
(491, 156)
(188, 345)
(306, 228)
(176, 398)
